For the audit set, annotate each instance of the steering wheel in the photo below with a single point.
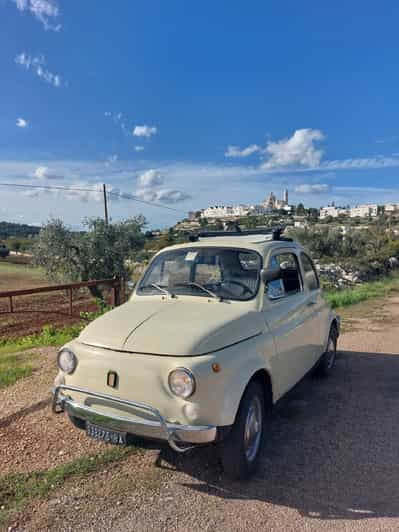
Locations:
(238, 283)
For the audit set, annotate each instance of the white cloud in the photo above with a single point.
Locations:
(165, 195)
(43, 172)
(150, 178)
(317, 188)
(168, 195)
(300, 153)
(138, 148)
(361, 163)
(93, 192)
(42, 10)
(37, 64)
(31, 193)
(21, 122)
(149, 188)
(144, 131)
(235, 151)
(298, 150)
(111, 159)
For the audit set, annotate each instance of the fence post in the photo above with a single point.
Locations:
(70, 301)
(117, 292)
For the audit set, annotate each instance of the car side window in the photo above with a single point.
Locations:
(290, 281)
(311, 277)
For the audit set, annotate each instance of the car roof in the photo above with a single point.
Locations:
(260, 243)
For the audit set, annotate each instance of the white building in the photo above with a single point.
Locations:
(363, 211)
(332, 211)
(225, 211)
(391, 207)
(272, 203)
(285, 196)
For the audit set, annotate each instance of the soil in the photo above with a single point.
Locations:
(32, 313)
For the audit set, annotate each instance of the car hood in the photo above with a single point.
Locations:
(173, 327)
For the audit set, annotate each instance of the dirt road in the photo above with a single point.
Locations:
(330, 463)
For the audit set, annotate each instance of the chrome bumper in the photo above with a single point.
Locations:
(157, 428)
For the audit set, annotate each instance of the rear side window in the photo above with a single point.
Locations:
(290, 281)
(311, 277)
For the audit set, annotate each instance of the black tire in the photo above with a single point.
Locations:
(79, 423)
(237, 459)
(327, 360)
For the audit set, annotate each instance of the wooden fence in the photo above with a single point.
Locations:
(115, 284)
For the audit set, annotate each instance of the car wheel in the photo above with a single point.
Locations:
(241, 450)
(79, 423)
(327, 360)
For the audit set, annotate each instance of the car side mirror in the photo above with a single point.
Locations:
(271, 274)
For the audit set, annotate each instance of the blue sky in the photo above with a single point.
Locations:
(196, 103)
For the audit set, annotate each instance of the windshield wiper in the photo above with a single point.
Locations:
(160, 288)
(201, 287)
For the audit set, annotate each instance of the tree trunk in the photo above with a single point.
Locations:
(96, 292)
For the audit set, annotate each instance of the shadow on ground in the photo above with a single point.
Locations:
(333, 452)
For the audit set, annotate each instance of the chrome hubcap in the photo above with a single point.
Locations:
(253, 429)
(331, 352)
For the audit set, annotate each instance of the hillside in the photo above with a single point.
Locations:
(8, 230)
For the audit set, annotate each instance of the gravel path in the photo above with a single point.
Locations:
(330, 463)
(32, 438)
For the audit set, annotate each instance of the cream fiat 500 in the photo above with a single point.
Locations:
(216, 331)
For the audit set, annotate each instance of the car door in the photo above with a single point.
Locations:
(287, 316)
(316, 307)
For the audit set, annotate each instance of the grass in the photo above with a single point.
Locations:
(14, 367)
(50, 336)
(15, 364)
(21, 269)
(363, 292)
(17, 489)
(19, 276)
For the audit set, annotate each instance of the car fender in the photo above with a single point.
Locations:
(240, 363)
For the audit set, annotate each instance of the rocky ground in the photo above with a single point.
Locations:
(330, 463)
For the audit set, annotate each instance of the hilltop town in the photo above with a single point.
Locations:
(273, 209)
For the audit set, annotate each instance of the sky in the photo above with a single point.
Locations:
(191, 104)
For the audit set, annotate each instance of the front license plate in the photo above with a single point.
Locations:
(109, 436)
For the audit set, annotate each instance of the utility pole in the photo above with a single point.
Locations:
(105, 204)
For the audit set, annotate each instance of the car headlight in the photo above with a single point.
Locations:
(67, 361)
(182, 382)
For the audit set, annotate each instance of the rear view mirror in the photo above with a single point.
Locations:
(271, 274)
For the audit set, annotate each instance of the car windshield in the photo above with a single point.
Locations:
(224, 273)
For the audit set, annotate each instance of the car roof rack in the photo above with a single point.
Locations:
(275, 232)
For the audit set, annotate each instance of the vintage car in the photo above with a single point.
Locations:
(217, 330)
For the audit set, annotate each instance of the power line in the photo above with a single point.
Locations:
(122, 195)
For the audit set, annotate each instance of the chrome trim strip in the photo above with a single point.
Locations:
(165, 355)
(173, 433)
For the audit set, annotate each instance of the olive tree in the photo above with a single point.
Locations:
(99, 252)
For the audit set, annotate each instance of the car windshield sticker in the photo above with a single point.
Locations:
(191, 255)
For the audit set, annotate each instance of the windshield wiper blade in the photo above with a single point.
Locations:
(160, 288)
(201, 287)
